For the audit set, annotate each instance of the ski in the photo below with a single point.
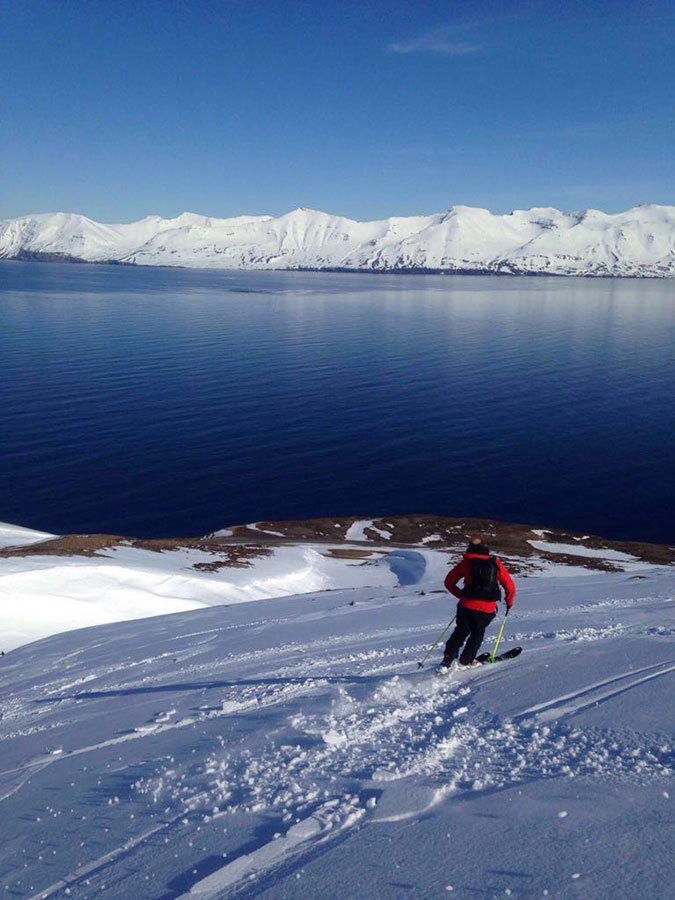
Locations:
(500, 657)
(483, 659)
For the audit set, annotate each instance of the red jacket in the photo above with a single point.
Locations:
(463, 570)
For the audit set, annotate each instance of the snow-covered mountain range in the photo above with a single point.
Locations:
(638, 242)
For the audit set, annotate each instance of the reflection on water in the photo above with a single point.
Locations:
(157, 401)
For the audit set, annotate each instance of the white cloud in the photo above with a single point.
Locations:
(436, 41)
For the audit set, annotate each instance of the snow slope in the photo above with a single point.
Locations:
(291, 747)
(15, 536)
(638, 242)
(122, 583)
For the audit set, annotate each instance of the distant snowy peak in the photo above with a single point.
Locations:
(638, 242)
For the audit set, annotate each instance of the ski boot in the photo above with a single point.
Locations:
(447, 665)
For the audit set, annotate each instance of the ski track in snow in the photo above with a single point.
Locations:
(323, 824)
(593, 694)
(405, 729)
(347, 759)
(71, 880)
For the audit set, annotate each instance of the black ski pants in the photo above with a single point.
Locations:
(470, 624)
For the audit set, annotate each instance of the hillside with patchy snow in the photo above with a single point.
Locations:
(638, 242)
(285, 744)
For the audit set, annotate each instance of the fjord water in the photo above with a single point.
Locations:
(174, 402)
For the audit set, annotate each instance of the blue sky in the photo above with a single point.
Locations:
(122, 109)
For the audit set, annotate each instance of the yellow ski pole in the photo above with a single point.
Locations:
(431, 649)
(499, 637)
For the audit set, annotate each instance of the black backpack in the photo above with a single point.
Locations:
(483, 583)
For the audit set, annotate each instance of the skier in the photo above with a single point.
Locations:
(483, 574)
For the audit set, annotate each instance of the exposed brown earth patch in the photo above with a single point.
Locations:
(349, 553)
(90, 545)
(236, 557)
(587, 562)
(69, 545)
(306, 530)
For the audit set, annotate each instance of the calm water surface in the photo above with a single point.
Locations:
(166, 402)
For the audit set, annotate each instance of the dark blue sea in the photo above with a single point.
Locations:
(166, 402)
